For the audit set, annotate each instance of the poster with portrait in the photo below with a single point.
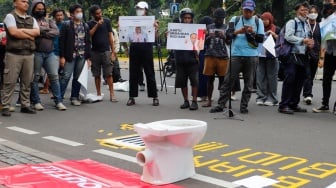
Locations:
(136, 29)
(186, 36)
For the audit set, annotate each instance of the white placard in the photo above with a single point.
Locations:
(269, 45)
(186, 36)
(136, 29)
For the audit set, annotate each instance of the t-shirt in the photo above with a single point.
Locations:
(215, 45)
(100, 39)
(10, 21)
(240, 45)
(79, 39)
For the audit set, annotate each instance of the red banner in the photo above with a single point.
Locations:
(71, 174)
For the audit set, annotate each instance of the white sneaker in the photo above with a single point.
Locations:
(233, 97)
(60, 106)
(38, 107)
(12, 109)
(260, 103)
(308, 100)
(269, 103)
(76, 102)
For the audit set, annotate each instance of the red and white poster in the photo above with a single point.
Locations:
(71, 174)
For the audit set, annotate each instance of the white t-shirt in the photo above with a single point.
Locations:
(10, 21)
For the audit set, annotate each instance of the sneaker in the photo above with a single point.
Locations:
(308, 100)
(60, 106)
(193, 106)
(38, 107)
(269, 103)
(5, 112)
(75, 102)
(12, 109)
(260, 103)
(323, 108)
(185, 105)
(244, 111)
(18, 104)
(28, 110)
(233, 97)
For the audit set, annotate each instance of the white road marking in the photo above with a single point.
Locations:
(22, 130)
(198, 177)
(256, 182)
(332, 185)
(63, 141)
(2, 140)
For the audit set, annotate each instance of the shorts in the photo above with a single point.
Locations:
(101, 60)
(215, 65)
(185, 71)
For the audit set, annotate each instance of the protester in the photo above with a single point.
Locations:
(327, 61)
(19, 57)
(267, 67)
(297, 33)
(3, 41)
(187, 67)
(216, 55)
(246, 32)
(313, 54)
(141, 55)
(103, 51)
(45, 57)
(75, 48)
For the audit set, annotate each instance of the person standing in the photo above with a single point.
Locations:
(141, 56)
(313, 55)
(21, 30)
(187, 67)
(103, 52)
(216, 55)
(297, 33)
(268, 67)
(246, 32)
(45, 57)
(75, 49)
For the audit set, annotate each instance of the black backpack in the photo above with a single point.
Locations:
(282, 46)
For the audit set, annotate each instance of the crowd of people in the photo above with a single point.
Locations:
(30, 42)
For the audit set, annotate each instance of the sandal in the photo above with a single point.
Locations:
(113, 99)
(207, 104)
(130, 102)
(155, 102)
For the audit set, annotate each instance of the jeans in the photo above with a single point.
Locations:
(267, 80)
(50, 64)
(74, 67)
(238, 64)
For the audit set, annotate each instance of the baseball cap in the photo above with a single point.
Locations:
(249, 4)
(141, 4)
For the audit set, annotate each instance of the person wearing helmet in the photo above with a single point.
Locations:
(141, 56)
(216, 55)
(187, 67)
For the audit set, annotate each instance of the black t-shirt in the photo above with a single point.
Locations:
(100, 39)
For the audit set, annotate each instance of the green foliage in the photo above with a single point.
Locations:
(5, 8)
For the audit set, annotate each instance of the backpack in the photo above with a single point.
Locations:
(282, 46)
(256, 21)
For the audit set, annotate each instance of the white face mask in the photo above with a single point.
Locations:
(312, 16)
(79, 16)
(303, 19)
(140, 12)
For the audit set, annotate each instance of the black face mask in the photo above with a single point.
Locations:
(39, 14)
(327, 10)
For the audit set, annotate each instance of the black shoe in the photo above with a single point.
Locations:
(216, 109)
(244, 111)
(6, 112)
(185, 105)
(299, 109)
(130, 102)
(28, 110)
(193, 106)
(285, 110)
(156, 102)
(323, 108)
(121, 80)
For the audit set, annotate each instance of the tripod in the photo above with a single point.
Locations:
(229, 113)
(162, 81)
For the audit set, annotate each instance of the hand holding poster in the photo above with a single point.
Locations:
(186, 36)
(136, 29)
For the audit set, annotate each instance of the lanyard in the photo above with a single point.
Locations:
(310, 28)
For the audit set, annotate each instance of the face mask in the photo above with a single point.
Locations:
(312, 16)
(140, 12)
(301, 18)
(79, 16)
(39, 14)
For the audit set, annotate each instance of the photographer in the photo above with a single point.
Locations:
(246, 32)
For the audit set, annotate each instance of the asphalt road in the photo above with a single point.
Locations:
(295, 150)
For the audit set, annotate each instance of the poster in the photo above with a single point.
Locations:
(136, 29)
(186, 36)
(328, 28)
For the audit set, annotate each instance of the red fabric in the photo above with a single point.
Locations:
(270, 26)
(71, 174)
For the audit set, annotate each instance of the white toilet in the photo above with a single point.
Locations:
(168, 156)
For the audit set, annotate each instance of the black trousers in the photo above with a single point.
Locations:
(328, 73)
(141, 55)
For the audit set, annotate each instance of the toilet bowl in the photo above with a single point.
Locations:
(168, 156)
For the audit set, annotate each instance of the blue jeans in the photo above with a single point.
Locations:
(50, 64)
(267, 80)
(74, 67)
